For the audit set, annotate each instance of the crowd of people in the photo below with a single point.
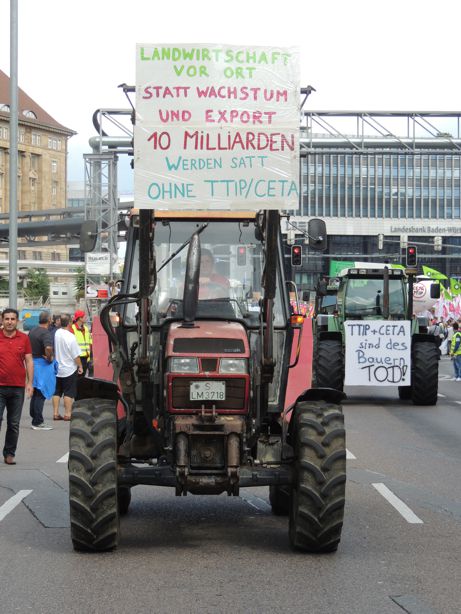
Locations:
(448, 339)
(42, 365)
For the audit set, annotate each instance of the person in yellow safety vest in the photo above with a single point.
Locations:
(455, 351)
(83, 337)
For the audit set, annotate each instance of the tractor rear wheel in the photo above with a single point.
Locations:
(424, 373)
(318, 494)
(328, 367)
(94, 514)
(279, 498)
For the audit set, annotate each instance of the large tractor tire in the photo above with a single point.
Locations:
(424, 373)
(279, 498)
(318, 494)
(328, 367)
(94, 512)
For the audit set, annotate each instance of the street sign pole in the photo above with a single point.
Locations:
(13, 173)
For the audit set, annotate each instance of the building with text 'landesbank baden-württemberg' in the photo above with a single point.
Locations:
(380, 180)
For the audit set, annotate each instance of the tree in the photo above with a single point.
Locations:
(80, 284)
(36, 285)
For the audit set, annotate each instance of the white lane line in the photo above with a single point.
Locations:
(398, 504)
(459, 402)
(64, 458)
(349, 455)
(442, 396)
(15, 500)
(257, 503)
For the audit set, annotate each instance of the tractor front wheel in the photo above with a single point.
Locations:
(328, 367)
(94, 513)
(318, 493)
(279, 498)
(424, 373)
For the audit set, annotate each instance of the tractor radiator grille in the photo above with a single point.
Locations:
(235, 394)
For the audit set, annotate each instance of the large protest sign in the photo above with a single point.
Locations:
(217, 127)
(378, 353)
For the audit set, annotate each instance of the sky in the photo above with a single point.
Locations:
(358, 55)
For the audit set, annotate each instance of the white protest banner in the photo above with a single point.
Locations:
(98, 263)
(217, 127)
(378, 353)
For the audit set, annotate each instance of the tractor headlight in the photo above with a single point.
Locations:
(184, 365)
(233, 365)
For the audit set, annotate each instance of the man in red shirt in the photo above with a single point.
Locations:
(16, 373)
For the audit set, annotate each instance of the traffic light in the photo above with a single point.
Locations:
(241, 255)
(296, 255)
(412, 256)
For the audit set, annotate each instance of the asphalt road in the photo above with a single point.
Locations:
(400, 550)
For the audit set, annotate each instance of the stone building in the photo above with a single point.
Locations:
(42, 169)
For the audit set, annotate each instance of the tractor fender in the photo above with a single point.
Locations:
(424, 337)
(329, 334)
(92, 387)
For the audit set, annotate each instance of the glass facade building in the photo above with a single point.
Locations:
(381, 180)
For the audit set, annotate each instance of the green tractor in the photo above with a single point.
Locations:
(376, 303)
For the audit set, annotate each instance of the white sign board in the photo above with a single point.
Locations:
(378, 353)
(98, 263)
(217, 127)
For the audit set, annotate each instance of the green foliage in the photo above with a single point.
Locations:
(37, 285)
(4, 285)
(80, 283)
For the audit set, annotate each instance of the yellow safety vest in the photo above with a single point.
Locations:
(453, 343)
(84, 340)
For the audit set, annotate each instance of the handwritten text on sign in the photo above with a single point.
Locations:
(378, 353)
(217, 127)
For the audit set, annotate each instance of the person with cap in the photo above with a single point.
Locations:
(83, 337)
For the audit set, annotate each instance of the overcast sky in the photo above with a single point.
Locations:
(358, 54)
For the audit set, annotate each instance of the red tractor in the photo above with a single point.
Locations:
(201, 357)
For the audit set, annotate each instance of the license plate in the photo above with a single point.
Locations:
(207, 391)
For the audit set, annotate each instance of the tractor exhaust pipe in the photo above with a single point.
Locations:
(191, 282)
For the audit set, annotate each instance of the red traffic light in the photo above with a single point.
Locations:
(241, 255)
(411, 256)
(296, 255)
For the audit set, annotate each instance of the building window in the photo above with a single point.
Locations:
(29, 113)
(52, 143)
(54, 166)
(4, 107)
(37, 255)
(36, 139)
(5, 133)
(21, 136)
(34, 162)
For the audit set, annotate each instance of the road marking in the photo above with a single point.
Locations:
(349, 455)
(257, 503)
(398, 504)
(459, 402)
(15, 500)
(64, 458)
(411, 604)
(442, 396)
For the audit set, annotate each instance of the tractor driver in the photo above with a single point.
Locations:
(212, 284)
